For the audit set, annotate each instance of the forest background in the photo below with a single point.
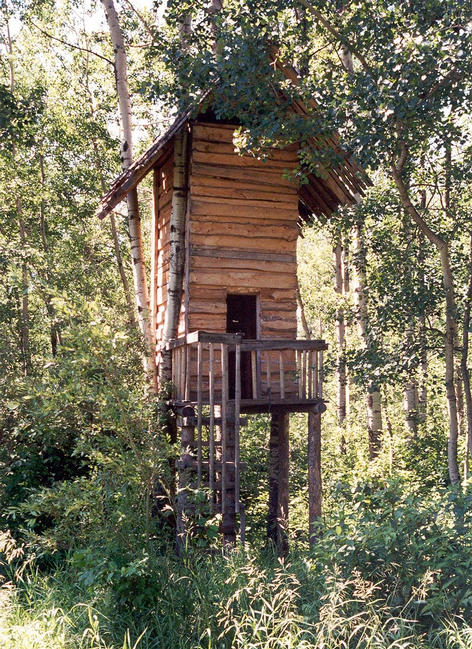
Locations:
(85, 559)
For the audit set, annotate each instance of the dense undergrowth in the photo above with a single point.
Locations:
(395, 576)
(391, 568)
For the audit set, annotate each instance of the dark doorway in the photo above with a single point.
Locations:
(241, 317)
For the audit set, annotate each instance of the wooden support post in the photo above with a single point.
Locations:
(237, 412)
(199, 409)
(314, 472)
(211, 431)
(228, 446)
(229, 493)
(284, 463)
(185, 470)
(273, 479)
(282, 374)
(277, 518)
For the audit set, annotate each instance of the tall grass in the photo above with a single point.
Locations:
(235, 602)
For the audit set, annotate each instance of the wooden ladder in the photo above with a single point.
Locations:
(210, 460)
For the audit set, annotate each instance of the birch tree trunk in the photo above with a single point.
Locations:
(450, 310)
(54, 330)
(114, 231)
(465, 364)
(25, 319)
(301, 308)
(410, 395)
(177, 252)
(340, 335)
(373, 398)
(134, 220)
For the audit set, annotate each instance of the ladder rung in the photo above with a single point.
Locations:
(217, 465)
(193, 421)
(228, 485)
(205, 442)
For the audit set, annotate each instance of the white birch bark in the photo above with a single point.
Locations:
(373, 397)
(410, 396)
(134, 220)
(177, 253)
(341, 378)
(450, 311)
(24, 321)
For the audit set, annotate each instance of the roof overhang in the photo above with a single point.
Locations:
(331, 186)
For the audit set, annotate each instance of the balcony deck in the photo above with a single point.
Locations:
(210, 369)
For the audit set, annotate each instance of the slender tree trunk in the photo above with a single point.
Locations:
(114, 231)
(410, 395)
(301, 308)
(423, 378)
(134, 220)
(25, 319)
(315, 490)
(177, 252)
(373, 398)
(341, 379)
(450, 311)
(346, 295)
(464, 363)
(54, 331)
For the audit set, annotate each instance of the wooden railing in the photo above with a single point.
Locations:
(210, 368)
(216, 377)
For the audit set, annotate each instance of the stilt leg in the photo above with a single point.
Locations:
(273, 479)
(282, 510)
(185, 472)
(277, 518)
(314, 472)
(228, 495)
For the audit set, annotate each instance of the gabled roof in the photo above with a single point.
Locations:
(322, 195)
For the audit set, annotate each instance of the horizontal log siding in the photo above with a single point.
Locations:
(243, 233)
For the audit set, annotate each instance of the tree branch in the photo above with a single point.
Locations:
(75, 47)
(334, 32)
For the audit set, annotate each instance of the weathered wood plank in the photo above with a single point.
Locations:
(234, 209)
(238, 253)
(246, 185)
(210, 263)
(255, 176)
(261, 244)
(247, 162)
(227, 148)
(240, 278)
(244, 230)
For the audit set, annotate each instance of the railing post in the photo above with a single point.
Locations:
(211, 432)
(237, 409)
(282, 374)
(314, 472)
(224, 413)
(199, 411)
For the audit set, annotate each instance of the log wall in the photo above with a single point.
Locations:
(241, 235)
(242, 231)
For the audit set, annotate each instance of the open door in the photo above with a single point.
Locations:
(241, 317)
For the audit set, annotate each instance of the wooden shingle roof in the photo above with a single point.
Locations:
(324, 192)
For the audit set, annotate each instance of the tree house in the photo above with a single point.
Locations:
(234, 347)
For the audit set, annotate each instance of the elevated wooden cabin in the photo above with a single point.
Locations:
(236, 349)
